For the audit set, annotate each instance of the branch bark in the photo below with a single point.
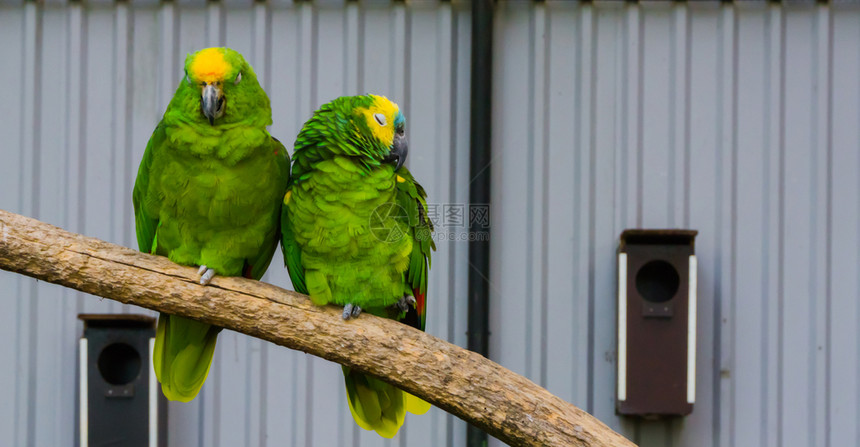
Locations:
(506, 405)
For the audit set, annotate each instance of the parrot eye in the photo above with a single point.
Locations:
(238, 78)
(380, 118)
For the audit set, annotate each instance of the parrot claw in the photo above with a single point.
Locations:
(351, 311)
(403, 303)
(206, 275)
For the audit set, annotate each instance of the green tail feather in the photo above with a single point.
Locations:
(378, 406)
(182, 355)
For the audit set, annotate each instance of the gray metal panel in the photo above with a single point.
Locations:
(238, 4)
(192, 3)
(566, 47)
(82, 135)
(13, 382)
(748, 398)
(707, 137)
(511, 188)
(28, 192)
(705, 173)
(51, 305)
(455, 307)
(772, 179)
(608, 121)
(843, 350)
(797, 325)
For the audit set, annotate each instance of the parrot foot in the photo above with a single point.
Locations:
(206, 275)
(403, 303)
(351, 311)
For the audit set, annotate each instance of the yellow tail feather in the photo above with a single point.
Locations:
(416, 405)
(183, 355)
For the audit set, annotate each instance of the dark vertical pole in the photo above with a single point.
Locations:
(479, 188)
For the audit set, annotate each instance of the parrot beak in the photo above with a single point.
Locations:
(212, 102)
(399, 150)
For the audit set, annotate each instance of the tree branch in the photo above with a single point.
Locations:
(506, 405)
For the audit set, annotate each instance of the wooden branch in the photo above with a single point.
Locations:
(504, 404)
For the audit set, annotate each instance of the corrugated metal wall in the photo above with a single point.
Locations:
(739, 121)
(84, 86)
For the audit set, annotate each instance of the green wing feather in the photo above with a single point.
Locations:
(292, 252)
(146, 225)
(413, 199)
(260, 264)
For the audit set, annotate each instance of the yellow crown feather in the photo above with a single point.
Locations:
(209, 66)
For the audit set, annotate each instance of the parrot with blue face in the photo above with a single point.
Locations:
(208, 194)
(356, 233)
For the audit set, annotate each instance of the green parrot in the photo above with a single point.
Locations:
(208, 193)
(355, 233)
